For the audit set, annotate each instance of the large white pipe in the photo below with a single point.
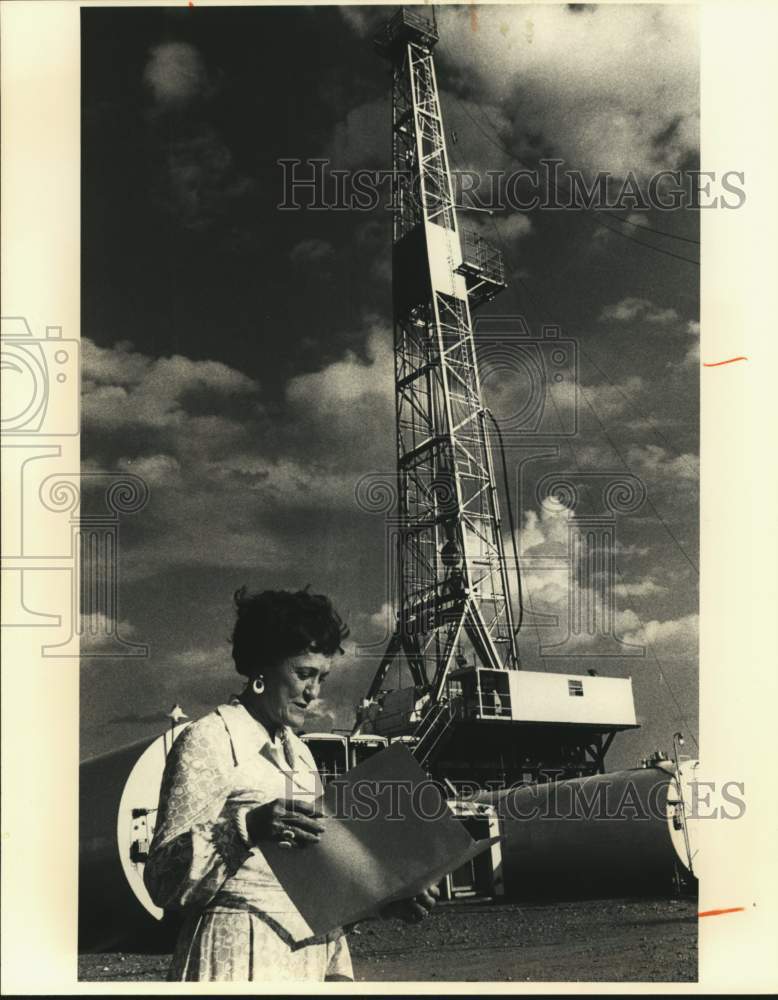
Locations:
(617, 833)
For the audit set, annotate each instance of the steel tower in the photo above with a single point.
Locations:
(453, 582)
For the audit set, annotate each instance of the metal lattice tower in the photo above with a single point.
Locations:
(453, 582)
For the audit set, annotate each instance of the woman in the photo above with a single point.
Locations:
(237, 779)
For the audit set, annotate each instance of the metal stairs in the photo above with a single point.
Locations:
(434, 726)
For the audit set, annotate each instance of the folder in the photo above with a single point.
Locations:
(388, 835)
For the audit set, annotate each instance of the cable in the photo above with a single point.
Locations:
(660, 668)
(648, 229)
(600, 211)
(509, 510)
(649, 501)
(662, 674)
(650, 645)
(613, 385)
(605, 431)
(624, 396)
(626, 236)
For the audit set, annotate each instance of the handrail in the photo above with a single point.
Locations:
(479, 253)
(447, 711)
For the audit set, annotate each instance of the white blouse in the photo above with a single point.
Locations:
(240, 924)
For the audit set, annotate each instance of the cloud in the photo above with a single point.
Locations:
(639, 588)
(545, 532)
(95, 630)
(551, 591)
(360, 139)
(226, 480)
(175, 73)
(200, 182)
(692, 357)
(631, 308)
(500, 229)
(311, 251)
(351, 401)
(384, 617)
(363, 20)
(123, 388)
(612, 399)
(614, 90)
(196, 179)
(679, 636)
(637, 218)
(654, 462)
(321, 716)
(607, 234)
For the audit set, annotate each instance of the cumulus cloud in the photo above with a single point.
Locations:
(96, 630)
(352, 400)
(631, 308)
(677, 636)
(615, 89)
(612, 399)
(384, 617)
(175, 73)
(122, 387)
(225, 479)
(552, 591)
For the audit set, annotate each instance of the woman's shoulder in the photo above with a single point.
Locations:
(207, 732)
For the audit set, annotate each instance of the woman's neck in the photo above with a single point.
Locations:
(255, 708)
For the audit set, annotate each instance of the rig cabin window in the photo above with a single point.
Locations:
(575, 689)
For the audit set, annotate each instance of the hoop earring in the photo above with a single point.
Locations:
(258, 684)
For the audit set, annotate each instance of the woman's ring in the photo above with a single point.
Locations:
(287, 837)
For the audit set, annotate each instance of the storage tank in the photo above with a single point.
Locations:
(118, 797)
(609, 834)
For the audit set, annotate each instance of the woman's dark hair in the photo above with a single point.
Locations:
(276, 624)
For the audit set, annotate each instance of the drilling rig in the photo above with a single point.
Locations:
(471, 712)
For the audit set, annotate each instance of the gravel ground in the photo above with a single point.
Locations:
(613, 940)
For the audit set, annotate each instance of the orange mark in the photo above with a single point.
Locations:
(717, 913)
(473, 16)
(715, 364)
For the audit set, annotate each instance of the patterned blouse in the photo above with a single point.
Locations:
(240, 925)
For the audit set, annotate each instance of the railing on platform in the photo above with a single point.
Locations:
(480, 256)
(406, 26)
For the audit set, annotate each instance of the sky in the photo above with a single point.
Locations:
(238, 357)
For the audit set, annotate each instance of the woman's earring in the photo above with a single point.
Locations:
(258, 684)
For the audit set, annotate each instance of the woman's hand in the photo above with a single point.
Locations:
(414, 909)
(287, 820)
